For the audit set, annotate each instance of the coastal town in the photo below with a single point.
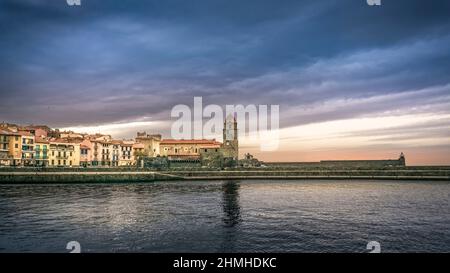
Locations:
(42, 146)
(40, 154)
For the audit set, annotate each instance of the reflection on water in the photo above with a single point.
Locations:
(227, 216)
(231, 209)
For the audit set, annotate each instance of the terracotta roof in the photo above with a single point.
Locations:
(190, 141)
(8, 132)
(64, 140)
(183, 156)
(100, 141)
(82, 146)
(127, 143)
(138, 146)
(211, 145)
(41, 140)
(24, 133)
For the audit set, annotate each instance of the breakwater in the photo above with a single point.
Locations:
(114, 175)
(83, 177)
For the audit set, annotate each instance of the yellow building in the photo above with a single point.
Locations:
(101, 153)
(150, 142)
(64, 153)
(10, 148)
(187, 148)
(138, 153)
(126, 156)
(115, 152)
(4, 148)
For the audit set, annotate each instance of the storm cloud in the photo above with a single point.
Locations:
(110, 61)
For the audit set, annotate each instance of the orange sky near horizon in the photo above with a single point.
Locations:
(423, 138)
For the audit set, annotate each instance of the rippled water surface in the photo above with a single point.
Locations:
(227, 216)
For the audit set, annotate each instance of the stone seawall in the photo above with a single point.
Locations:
(149, 176)
(442, 175)
(83, 177)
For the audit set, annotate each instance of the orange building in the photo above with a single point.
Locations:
(10, 147)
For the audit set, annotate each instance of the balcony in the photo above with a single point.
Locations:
(27, 148)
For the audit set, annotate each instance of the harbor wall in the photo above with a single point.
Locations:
(150, 176)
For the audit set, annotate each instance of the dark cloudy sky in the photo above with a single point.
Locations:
(352, 81)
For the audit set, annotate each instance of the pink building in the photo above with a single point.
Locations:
(86, 153)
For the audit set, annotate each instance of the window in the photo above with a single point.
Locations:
(53, 162)
(70, 162)
(59, 162)
(16, 146)
(64, 162)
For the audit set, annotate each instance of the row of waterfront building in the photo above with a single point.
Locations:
(42, 146)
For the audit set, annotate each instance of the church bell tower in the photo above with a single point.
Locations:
(230, 138)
